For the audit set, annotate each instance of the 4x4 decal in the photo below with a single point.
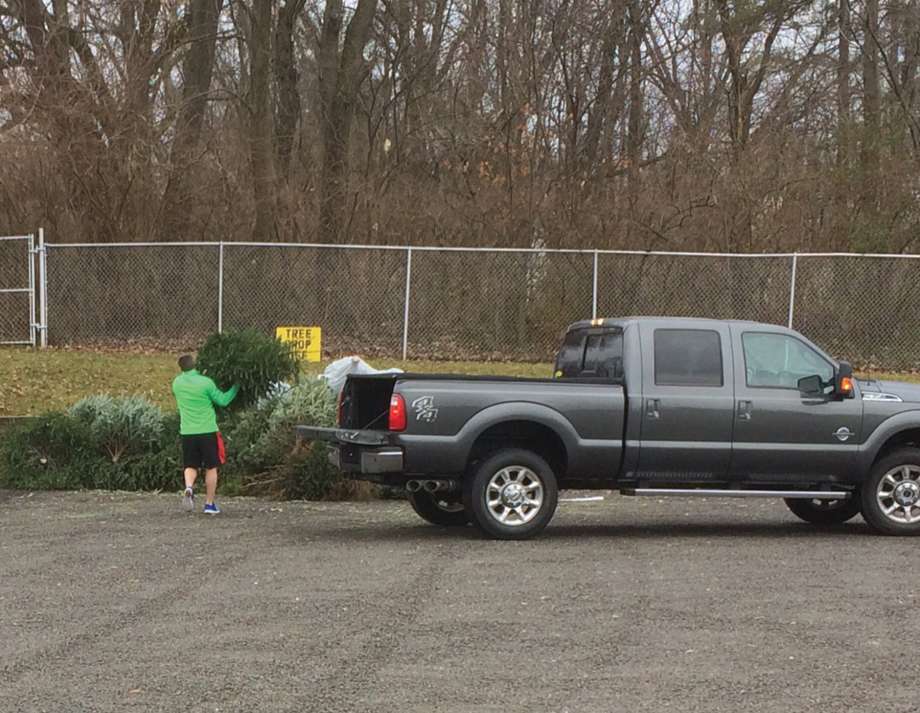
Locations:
(424, 409)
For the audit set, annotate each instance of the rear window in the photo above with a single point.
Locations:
(568, 361)
(604, 355)
(688, 357)
(587, 353)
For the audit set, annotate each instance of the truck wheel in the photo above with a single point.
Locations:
(511, 495)
(891, 495)
(825, 512)
(438, 511)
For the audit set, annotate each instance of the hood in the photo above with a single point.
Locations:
(906, 391)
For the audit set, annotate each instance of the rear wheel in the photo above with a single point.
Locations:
(511, 495)
(825, 512)
(891, 495)
(439, 510)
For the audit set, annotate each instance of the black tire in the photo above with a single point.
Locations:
(536, 480)
(439, 511)
(873, 509)
(825, 512)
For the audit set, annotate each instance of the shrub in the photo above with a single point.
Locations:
(158, 467)
(249, 358)
(46, 452)
(120, 426)
(310, 401)
(128, 444)
(68, 451)
(264, 449)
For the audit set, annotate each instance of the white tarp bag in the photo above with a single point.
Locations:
(336, 373)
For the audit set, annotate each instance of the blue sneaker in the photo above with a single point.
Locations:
(188, 500)
(211, 509)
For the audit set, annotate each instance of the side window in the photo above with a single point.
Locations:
(604, 355)
(688, 357)
(568, 363)
(779, 361)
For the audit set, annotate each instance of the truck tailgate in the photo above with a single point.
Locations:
(343, 435)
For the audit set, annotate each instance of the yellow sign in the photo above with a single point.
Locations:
(307, 342)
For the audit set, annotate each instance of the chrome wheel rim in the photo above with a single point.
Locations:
(514, 495)
(898, 494)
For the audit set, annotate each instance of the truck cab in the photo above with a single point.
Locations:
(719, 401)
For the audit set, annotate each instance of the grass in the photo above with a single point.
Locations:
(33, 381)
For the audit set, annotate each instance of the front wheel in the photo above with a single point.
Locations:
(825, 512)
(511, 495)
(891, 495)
(438, 511)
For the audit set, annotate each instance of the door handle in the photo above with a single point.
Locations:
(652, 407)
(744, 410)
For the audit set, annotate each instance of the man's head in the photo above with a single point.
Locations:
(186, 362)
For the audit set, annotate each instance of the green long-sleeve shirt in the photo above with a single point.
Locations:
(196, 396)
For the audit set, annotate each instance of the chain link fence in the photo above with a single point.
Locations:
(123, 294)
(468, 303)
(17, 289)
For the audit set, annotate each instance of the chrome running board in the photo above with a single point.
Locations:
(704, 492)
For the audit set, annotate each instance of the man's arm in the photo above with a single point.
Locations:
(222, 398)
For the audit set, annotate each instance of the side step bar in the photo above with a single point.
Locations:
(703, 493)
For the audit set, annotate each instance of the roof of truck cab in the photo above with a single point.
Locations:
(623, 322)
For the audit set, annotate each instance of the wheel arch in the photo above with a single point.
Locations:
(902, 430)
(528, 431)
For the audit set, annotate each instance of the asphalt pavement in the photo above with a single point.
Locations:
(122, 602)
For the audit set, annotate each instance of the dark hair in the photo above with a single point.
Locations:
(186, 362)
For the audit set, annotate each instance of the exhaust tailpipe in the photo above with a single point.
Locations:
(413, 486)
(441, 486)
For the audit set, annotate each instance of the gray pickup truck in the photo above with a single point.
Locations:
(646, 406)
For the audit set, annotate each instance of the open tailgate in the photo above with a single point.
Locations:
(343, 436)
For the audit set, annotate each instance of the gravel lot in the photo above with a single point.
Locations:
(113, 602)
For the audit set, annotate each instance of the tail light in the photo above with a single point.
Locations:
(341, 407)
(397, 419)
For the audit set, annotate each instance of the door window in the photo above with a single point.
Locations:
(688, 357)
(779, 361)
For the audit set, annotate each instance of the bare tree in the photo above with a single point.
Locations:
(340, 76)
(197, 69)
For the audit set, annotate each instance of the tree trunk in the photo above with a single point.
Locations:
(871, 111)
(634, 132)
(843, 83)
(286, 78)
(260, 140)
(598, 115)
(197, 68)
(339, 84)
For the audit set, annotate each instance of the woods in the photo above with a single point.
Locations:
(659, 124)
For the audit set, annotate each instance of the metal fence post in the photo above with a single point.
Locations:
(33, 334)
(594, 290)
(43, 287)
(220, 288)
(405, 341)
(795, 260)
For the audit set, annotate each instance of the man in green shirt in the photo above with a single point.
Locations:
(202, 447)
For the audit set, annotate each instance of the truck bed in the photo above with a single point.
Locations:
(449, 414)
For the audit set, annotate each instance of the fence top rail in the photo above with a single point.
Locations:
(436, 248)
(905, 256)
(15, 237)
